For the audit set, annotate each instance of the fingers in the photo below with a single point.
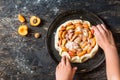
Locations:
(63, 60)
(74, 70)
(67, 61)
(58, 66)
(96, 31)
(104, 27)
(100, 28)
(62, 63)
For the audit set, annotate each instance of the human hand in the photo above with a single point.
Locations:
(103, 36)
(105, 40)
(64, 70)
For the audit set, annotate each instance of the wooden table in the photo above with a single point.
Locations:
(26, 58)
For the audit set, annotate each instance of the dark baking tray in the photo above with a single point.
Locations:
(87, 66)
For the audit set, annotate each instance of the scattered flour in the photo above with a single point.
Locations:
(56, 10)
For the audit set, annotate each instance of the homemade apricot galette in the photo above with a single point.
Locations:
(75, 39)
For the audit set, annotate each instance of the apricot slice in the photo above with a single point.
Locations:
(21, 18)
(70, 27)
(23, 30)
(93, 42)
(82, 53)
(35, 21)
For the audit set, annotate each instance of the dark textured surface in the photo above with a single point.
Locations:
(26, 58)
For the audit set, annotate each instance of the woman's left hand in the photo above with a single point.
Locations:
(64, 70)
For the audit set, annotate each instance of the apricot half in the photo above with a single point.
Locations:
(35, 21)
(23, 30)
(21, 18)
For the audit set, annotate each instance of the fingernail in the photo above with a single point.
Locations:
(76, 68)
(98, 25)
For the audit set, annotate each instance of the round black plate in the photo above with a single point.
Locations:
(70, 15)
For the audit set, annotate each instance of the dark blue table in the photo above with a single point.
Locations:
(26, 58)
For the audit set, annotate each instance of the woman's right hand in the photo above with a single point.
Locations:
(105, 40)
(103, 36)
